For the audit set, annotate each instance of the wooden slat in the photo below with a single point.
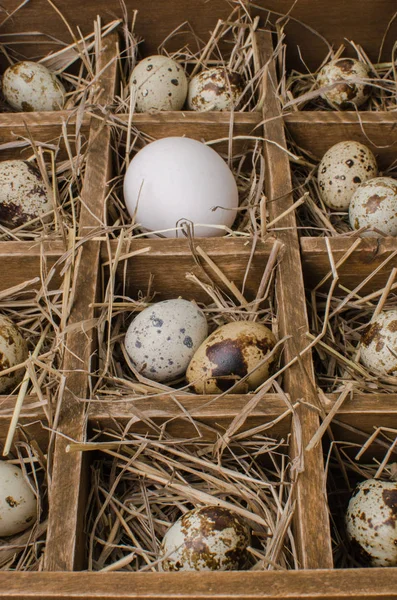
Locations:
(21, 261)
(311, 519)
(353, 584)
(369, 255)
(316, 131)
(65, 543)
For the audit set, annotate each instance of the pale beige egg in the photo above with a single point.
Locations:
(348, 78)
(29, 86)
(214, 89)
(378, 349)
(158, 83)
(18, 506)
(374, 204)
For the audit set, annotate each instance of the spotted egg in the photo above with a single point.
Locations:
(371, 522)
(23, 193)
(211, 538)
(29, 86)
(13, 351)
(374, 204)
(349, 79)
(162, 339)
(158, 83)
(342, 169)
(18, 507)
(214, 89)
(378, 349)
(232, 352)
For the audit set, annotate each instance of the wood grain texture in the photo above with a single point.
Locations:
(65, 541)
(316, 131)
(169, 260)
(311, 518)
(22, 261)
(353, 584)
(369, 255)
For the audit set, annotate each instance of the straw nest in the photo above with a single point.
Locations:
(142, 485)
(347, 464)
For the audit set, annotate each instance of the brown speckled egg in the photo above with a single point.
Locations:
(159, 83)
(18, 507)
(30, 86)
(23, 194)
(374, 203)
(342, 169)
(228, 355)
(351, 90)
(214, 89)
(211, 538)
(13, 351)
(162, 339)
(378, 348)
(371, 521)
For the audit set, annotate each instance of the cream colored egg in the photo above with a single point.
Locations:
(23, 194)
(13, 351)
(214, 89)
(229, 354)
(371, 521)
(159, 83)
(211, 538)
(162, 339)
(30, 86)
(342, 169)
(18, 507)
(378, 347)
(374, 204)
(349, 76)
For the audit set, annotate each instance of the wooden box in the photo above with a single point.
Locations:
(86, 262)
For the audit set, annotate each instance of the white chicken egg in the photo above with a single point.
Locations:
(18, 507)
(378, 347)
(371, 521)
(374, 203)
(159, 83)
(211, 538)
(342, 169)
(352, 89)
(162, 339)
(30, 86)
(214, 89)
(23, 194)
(178, 180)
(13, 351)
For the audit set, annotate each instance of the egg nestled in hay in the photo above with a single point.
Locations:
(158, 83)
(378, 347)
(235, 351)
(211, 538)
(214, 89)
(348, 81)
(18, 507)
(30, 86)
(374, 204)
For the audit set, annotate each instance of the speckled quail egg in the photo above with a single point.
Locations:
(13, 351)
(214, 89)
(30, 86)
(374, 203)
(159, 83)
(23, 194)
(211, 538)
(18, 506)
(230, 353)
(352, 88)
(342, 169)
(371, 521)
(162, 339)
(378, 347)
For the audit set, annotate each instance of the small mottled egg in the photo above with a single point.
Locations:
(30, 86)
(23, 194)
(162, 339)
(374, 203)
(214, 89)
(13, 351)
(228, 355)
(159, 83)
(211, 538)
(18, 507)
(342, 169)
(371, 521)
(351, 89)
(378, 347)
